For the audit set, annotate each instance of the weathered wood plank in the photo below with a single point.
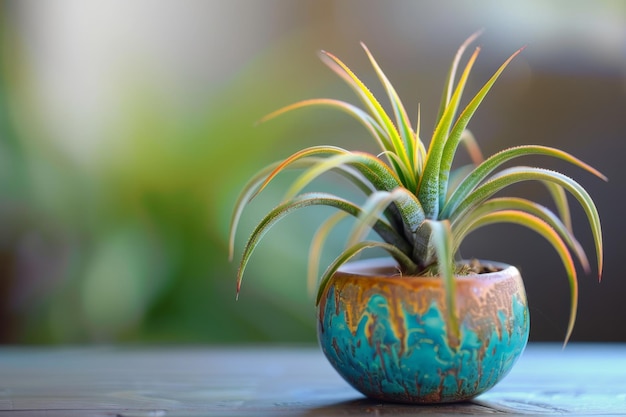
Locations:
(581, 380)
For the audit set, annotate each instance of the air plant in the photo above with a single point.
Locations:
(420, 206)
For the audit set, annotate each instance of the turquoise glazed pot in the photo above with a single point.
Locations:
(388, 335)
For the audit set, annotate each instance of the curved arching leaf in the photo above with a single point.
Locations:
(382, 178)
(378, 202)
(463, 226)
(402, 120)
(482, 172)
(250, 189)
(305, 158)
(317, 243)
(372, 168)
(306, 200)
(559, 196)
(514, 175)
(372, 126)
(302, 154)
(375, 108)
(536, 224)
(351, 251)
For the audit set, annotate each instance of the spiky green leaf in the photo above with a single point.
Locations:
(317, 244)
(539, 226)
(463, 226)
(306, 200)
(514, 175)
(452, 142)
(449, 84)
(402, 120)
(377, 203)
(372, 126)
(352, 251)
(442, 240)
(428, 189)
(375, 108)
(482, 172)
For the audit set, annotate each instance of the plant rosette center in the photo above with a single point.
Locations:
(389, 337)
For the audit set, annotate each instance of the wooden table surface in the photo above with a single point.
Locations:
(583, 379)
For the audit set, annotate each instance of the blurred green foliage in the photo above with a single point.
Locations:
(133, 248)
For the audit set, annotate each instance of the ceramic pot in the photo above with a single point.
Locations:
(389, 336)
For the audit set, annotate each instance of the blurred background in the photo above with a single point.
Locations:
(127, 129)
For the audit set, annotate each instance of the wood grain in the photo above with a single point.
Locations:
(587, 379)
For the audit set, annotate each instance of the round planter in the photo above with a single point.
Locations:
(389, 337)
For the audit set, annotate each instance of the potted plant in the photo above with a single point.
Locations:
(423, 326)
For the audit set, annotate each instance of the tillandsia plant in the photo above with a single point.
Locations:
(421, 206)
